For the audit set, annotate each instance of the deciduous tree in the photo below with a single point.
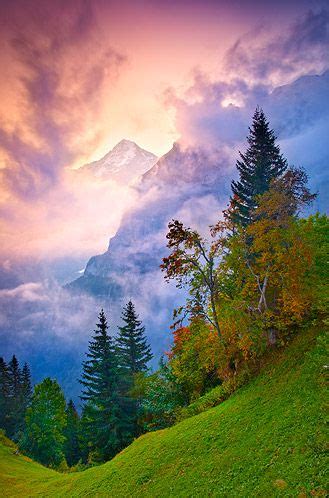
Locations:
(43, 438)
(192, 263)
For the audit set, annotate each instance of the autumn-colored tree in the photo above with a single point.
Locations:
(257, 279)
(195, 357)
(276, 244)
(270, 260)
(192, 264)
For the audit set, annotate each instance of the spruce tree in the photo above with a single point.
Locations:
(258, 166)
(15, 376)
(71, 433)
(104, 420)
(134, 353)
(4, 395)
(23, 400)
(16, 413)
(26, 386)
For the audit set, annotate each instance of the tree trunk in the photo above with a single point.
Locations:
(272, 337)
(262, 299)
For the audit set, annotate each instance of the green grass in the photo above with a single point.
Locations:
(266, 440)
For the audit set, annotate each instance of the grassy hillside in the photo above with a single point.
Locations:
(266, 440)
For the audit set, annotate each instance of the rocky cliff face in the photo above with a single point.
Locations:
(186, 184)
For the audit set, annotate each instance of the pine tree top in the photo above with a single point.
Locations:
(261, 163)
(14, 363)
(26, 372)
(99, 370)
(133, 350)
(3, 364)
(4, 378)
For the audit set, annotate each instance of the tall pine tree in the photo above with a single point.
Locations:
(106, 425)
(16, 411)
(15, 396)
(258, 166)
(15, 375)
(134, 353)
(4, 395)
(26, 386)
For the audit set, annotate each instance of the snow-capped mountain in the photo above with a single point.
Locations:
(185, 184)
(189, 185)
(125, 163)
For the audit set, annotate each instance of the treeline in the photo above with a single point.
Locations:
(51, 431)
(15, 396)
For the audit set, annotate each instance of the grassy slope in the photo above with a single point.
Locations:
(266, 440)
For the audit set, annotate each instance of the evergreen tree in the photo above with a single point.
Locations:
(23, 400)
(15, 395)
(133, 351)
(16, 411)
(133, 355)
(71, 433)
(43, 438)
(26, 386)
(105, 423)
(258, 166)
(4, 395)
(15, 376)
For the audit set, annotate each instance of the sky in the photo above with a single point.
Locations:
(78, 76)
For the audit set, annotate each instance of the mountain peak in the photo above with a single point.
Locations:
(125, 142)
(124, 163)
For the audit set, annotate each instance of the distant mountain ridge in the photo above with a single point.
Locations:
(178, 177)
(187, 184)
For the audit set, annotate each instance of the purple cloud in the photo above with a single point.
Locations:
(304, 46)
(60, 87)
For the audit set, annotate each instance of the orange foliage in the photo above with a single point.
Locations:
(181, 336)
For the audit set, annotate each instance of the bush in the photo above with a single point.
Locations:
(214, 397)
